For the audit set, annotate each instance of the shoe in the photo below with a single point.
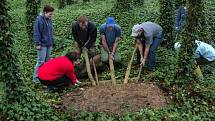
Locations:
(36, 81)
(149, 73)
(51, 89)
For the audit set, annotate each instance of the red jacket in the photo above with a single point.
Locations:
(56, 68)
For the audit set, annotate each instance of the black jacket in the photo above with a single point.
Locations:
(85, 38)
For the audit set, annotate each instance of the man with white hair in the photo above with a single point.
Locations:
(148, 36)
(204, 52)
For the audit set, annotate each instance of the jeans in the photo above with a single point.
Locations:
(152, 52)
(43, 55)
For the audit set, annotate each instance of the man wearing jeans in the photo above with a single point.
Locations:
(148, 37)
(110, 33)
(43, 37)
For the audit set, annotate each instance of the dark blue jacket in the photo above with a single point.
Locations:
(181, 18)
(43, 31)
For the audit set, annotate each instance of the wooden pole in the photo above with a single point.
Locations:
(129, 66)
(112, 73)
(88, 68)
(95, 71)
(140, 70)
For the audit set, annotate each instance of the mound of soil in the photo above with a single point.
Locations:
(116, 99)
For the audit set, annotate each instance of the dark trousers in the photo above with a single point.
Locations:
(202, 61)
(59, 82)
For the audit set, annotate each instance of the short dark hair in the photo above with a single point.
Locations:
(72, 56)
(82, 19)
(48, 8)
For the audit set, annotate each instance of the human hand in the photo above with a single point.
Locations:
(112, 55)
(177, 29)
(38, 47)
(142, 61)
(85, 49)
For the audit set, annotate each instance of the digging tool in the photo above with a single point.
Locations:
(129, 66)
(176, 37)
(112, 69)
(140, 70)
(95, 71)
(88, 68)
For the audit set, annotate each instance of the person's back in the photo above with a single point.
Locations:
(205, 50)
(151, 29)
(55, 68)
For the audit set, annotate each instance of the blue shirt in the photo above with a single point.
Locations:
(205, 50)
(110, 36)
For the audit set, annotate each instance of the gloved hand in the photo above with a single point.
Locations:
(177, 29)
(84, 49)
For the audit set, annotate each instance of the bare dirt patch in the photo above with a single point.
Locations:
(117, 99)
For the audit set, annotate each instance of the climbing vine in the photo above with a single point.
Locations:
(167, 20)
(211, 21)
(122, 5)
(202, 23)
(9, 75)
(32, 9)
(18, 102)
(186, 56)
(178, 3)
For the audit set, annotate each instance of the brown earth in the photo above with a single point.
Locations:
(116, 99)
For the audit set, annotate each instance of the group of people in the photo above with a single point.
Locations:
(59, 71)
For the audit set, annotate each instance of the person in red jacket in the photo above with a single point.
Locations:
(59, 72)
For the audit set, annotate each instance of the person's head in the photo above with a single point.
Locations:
(137, 31)
(72, 56)
(110, 22)
(183, 2)
(83, 22)
(48, 11)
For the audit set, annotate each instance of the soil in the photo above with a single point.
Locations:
(116, 99)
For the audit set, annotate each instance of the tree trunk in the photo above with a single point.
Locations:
(123, 5)
(9, 76)
(211, 19)
(167, 21)
(186, 60)
(32, 10)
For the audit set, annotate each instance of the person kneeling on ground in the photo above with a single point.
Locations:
(59, 72)
(110, 34)
(204, 52)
